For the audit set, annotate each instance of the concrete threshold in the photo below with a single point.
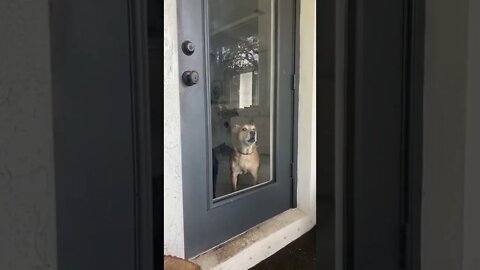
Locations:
(255, 245)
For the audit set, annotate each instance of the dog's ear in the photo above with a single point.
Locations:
(236, 128)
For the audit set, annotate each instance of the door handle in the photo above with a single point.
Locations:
(190, 77)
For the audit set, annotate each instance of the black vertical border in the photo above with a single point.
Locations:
(415, 16)
(139, 73)
(349, 125)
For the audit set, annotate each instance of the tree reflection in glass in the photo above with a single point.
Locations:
(241, 76)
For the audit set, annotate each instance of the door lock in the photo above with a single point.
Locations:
(188, 48)
(190, 77)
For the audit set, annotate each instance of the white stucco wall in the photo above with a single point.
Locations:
(173, 199)
(27, 195)
(306, 160)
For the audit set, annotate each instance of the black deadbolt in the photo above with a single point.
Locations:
(187, 47)
(190, 77)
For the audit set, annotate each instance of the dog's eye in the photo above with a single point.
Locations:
(244, 129)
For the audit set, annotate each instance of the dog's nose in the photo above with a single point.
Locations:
(252, 133)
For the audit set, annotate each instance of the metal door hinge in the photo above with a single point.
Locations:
(294, 82)
(293, 171)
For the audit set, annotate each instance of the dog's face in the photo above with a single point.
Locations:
(246, 134)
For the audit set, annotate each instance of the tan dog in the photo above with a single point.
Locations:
(245, 157)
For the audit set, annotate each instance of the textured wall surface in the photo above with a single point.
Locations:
(27, 210)
(444, 134)
(172, 192)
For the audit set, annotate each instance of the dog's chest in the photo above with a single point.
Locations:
(244, 163)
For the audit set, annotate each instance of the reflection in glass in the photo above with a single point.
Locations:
(241, 87)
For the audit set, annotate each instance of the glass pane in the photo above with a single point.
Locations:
(241, 67)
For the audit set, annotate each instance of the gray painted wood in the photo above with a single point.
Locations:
(207, 224)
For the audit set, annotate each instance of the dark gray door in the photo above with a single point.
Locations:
(236, 65)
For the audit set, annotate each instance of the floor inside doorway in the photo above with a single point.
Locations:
(302, 253)
(298, 255)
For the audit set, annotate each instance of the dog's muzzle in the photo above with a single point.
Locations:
(253, 136)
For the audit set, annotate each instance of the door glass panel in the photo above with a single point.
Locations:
(241, 74)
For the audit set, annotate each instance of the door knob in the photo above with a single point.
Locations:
(190, 77)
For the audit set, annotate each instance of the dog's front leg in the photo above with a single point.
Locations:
(234, 178)
(254, 174)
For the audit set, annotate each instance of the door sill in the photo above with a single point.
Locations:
(258, 243)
